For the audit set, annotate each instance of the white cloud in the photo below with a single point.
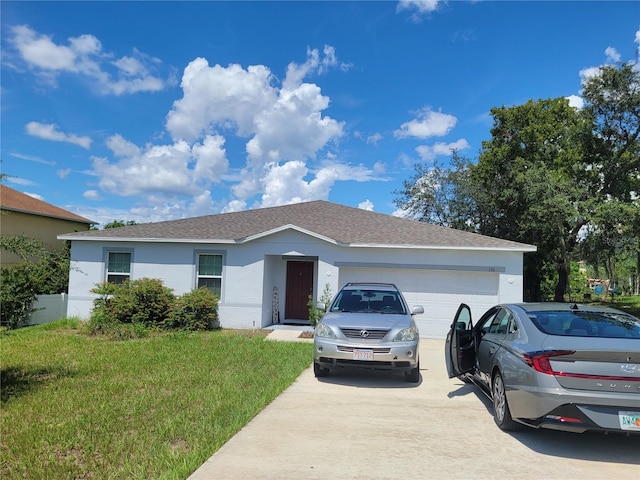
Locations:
(427, 124)
(220, 97)
(293, 128)
(176, 169)
(402, 213)
(421, 6)
(612, 54)
(366, 205)
(429, 152)
(284, 127)
(588, 72)
(576, 101)
(20, 181)
(63, 172)
(32, 158)
(51, 132)
(235, 206)
(211, 160)
(293, 182)
(314, 64)
(84, 56)
(34, 195)
(122, 147)
(374, 138)
(91, 195)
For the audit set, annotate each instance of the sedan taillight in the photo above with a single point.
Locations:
(540, 361)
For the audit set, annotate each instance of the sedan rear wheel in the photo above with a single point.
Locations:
(501, 412)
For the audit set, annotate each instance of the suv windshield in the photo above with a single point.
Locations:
(587, 324)
(367, 301)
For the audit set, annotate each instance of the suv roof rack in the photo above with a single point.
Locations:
(381, 284)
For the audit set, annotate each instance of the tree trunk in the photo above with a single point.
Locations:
(532, 278)
(563, 280)
(638, 274)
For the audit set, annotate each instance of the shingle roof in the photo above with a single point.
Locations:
(338, 223)
(16, 201)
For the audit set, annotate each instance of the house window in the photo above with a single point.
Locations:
(119, 267)
(210, 272)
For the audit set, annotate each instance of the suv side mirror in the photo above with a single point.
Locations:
(417, 310)
(321, 306)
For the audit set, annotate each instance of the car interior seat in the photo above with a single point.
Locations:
(580, 327)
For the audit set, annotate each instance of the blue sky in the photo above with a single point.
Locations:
(152, 111)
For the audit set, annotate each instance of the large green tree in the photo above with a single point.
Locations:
(612, 102)
(549, 173)
(530, 184)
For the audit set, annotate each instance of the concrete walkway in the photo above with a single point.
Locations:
(369, 425)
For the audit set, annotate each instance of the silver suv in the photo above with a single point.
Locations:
(368, 325)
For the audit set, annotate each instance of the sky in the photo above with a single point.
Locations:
(151, 111)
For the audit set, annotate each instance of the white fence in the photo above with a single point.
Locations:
(49, 308)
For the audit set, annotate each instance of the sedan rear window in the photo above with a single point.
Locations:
(587, 324)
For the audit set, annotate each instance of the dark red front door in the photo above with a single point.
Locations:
(299, 286)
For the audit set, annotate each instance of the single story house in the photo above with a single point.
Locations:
(264, 263)
(23, 214)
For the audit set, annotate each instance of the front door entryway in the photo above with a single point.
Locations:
(299, 286)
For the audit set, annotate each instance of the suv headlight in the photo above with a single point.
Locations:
(324, 331)
(406, 335)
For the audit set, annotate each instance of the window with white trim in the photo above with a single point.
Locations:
(209, 272)
(118, 267)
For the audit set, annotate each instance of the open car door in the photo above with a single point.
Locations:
(460, 354)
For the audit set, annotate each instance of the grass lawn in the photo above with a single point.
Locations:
(75, 406)
(626, 304)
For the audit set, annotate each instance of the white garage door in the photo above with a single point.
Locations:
(440, 292)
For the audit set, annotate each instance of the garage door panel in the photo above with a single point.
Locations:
(439, 292)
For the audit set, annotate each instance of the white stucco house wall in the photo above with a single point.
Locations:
(264, 263)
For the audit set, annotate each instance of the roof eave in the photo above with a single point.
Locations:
(85, 221)
(144, 239)
(520, 248)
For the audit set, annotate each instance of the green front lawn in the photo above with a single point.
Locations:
(75, 406)
(629, 304)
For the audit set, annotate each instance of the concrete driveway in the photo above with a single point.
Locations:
(363, 425)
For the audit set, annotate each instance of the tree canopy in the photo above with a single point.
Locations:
(551, 175)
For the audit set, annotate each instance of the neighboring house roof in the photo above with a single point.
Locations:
(13, 200)
(328, 221)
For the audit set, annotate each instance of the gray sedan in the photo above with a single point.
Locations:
(552, 365)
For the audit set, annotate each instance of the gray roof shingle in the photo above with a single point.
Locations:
(339, 223)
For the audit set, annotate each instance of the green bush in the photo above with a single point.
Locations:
(196, 310)
(145, 301)
(17, 294)
(132, 309)
(40, 272)
(315, 314)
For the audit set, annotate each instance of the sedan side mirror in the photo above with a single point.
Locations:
(417, 310)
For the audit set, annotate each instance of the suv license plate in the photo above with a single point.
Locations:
(362, 354)
(629, 420)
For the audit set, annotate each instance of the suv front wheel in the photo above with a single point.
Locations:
(319, 371)
(413, 375)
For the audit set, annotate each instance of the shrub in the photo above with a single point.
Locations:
(132, 309)
(145, 301)
(17, 294)
(196, 310)
(315, 314)
(40, 272)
